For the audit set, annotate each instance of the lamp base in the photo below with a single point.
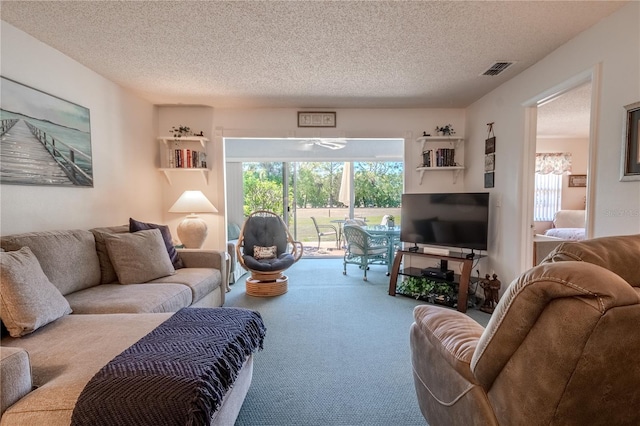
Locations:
(192, 232)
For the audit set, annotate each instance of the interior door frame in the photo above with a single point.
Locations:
(593, 75)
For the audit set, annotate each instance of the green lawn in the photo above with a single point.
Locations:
(307, 232)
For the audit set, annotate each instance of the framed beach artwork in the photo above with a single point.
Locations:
(45, 140)
(630, 167)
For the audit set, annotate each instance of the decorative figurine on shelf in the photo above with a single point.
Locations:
(425, 134)
(491, 287)
(445, 130)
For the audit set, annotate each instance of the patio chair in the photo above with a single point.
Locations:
(266, 249)
(326, 231)
(363, 249)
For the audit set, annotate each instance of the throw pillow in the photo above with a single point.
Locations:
(135, 226)
(260, 253)
(139, 257)
(28, 300)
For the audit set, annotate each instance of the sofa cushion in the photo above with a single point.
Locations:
(139, 257)
(28, 299)
(107, 273)
(130, 299)
(68, 258)
(135, 226)
(201, 281)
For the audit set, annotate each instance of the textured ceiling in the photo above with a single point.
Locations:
(567, 116)
(306, 54)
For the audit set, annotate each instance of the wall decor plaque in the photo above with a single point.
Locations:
(316, 119)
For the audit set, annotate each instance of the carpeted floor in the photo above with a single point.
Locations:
(336, 351)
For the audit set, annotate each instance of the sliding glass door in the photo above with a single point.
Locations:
(329, 191)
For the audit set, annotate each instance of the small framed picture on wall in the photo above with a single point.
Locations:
(577, 181)
(630, 167)
(490, 145)
(489, 162)
(489, 180)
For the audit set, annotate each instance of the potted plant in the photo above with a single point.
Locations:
(181, 131)
(391, 221)
(445, 130)
(429, 290)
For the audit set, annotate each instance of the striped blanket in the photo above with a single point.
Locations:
(175, 375)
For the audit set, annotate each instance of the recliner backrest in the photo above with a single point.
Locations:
(619, 254)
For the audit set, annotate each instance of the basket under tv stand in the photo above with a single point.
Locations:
(462, 280)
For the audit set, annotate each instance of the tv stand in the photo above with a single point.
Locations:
(464, 277)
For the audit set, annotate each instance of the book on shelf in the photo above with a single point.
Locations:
(182, 158)
(441, 157)
(428, 158)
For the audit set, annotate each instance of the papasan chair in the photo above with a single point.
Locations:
(266, 249)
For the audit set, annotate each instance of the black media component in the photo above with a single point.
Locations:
(438, 273)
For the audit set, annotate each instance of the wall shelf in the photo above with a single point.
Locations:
(456, 171)
(171, 142)
(168, 171)
(167, 139)
(456, 141)
(435, 142)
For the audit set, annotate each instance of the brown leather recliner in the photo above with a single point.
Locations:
(561, 347)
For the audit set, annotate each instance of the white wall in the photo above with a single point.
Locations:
(612, 44)
(122, 138)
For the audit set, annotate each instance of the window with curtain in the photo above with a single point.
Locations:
(548, 184)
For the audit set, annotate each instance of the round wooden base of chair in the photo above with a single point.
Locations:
(267, 288)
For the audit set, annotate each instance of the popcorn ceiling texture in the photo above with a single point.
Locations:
(305, 53)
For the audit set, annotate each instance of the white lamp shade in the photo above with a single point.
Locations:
(192, 231)
(193, 202)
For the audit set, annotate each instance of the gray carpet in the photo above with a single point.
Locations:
(336, 351)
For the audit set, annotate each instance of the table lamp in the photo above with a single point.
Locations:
(192, 231)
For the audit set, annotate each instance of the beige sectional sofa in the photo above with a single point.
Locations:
(51, 354)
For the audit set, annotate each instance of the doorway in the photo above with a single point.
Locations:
(373, 160)
(559, 166)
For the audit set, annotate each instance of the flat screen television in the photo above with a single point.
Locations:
(452, 219)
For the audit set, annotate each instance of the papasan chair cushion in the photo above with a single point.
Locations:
(281, 262)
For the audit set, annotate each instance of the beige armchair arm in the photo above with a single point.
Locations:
(200, 258)
(15, 370)
(442, 344)
(453, 335)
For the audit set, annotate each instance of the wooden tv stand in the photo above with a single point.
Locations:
(463, 279)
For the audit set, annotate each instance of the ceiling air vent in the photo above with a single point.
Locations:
(497, 68)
